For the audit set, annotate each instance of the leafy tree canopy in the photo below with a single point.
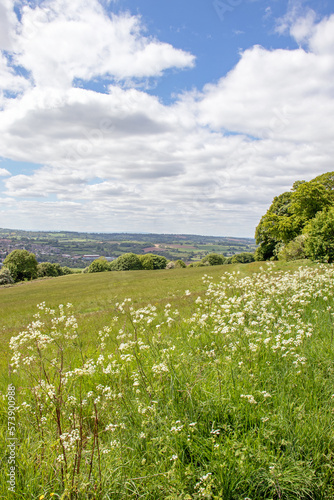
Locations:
(22, 265)
(180, 263)
(152, 261)
(98, 265)
(48, 269)
(290, 212)
(126, 262)
(319, 242)
(308, 199)
(242, 258)
(214, 259)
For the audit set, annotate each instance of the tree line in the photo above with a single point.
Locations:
(21, 265)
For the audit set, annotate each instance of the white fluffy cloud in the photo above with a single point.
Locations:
(8, 23)
(209, 163)
(60, 41)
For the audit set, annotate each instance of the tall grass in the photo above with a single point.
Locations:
(230, 398)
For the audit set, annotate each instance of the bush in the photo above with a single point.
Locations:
(98, 266)
(66, 270)
(48, 269)
(294, 250)
(213, 259)
(319, 244)
(242, 258)
(147, 262)
(22, 265)
(180, 264)
(5, 277)
(151, 261)
(126, 262)
(159, 261)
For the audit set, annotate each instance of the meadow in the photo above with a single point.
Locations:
(201, 383)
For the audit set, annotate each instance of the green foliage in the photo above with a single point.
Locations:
(152, 261)
(327, 180)
(294, 250)
(159, 262)
(179, 263)
(213, 259)
(290, 212)
(278, 224)
(198, 264)
(66, 270)
(126, 262)
(266, 249)
(22, 265)
(48, 269)
(5, 277)
(242, 258)
(308, 199)
(319, 244)
(147, 261)
(98, 266)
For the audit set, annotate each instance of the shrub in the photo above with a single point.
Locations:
(179, 263)
(22, 265)
(294, 250)
(319, 244)
(48, 269)
(5, 277)
(126, 262)
(213, 259)
(242, 258)
(159, 261)
(152, 261)
(147, 262)
(98, 266)
(66, 270)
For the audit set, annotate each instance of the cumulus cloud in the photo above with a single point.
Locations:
(4, 172)
(60, 41)
(210, 162)
(8, 24)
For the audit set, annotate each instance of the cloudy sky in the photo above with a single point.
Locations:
(165, 116)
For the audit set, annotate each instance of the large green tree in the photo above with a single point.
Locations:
(319, 244)
(290, 212)
(22, 265)
(308, 199)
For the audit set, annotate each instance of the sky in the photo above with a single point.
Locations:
(163, 116)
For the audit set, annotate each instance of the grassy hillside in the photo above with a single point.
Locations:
(215, 388)
(94, 296)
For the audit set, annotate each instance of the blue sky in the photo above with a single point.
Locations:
(174, 117)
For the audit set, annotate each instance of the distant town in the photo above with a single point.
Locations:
(77, 250)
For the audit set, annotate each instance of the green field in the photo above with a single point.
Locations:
(201, 387)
